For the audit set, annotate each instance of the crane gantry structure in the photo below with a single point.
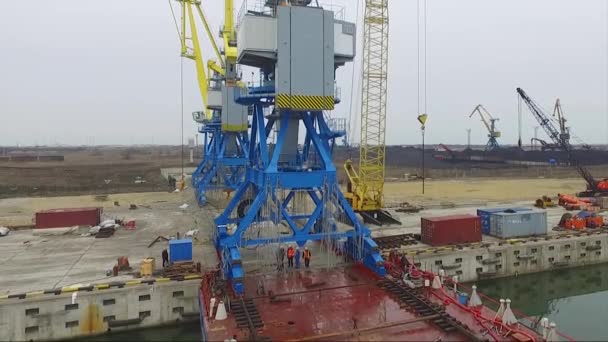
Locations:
(291, 193)
(366, 185)
(223, 122)
(490, 122)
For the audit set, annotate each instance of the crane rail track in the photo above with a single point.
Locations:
(414, 301)
(248, 317)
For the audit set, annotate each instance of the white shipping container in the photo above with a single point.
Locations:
(520, 224)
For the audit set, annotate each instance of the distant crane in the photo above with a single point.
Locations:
(564, 132)
(594, 187)
(490, 122)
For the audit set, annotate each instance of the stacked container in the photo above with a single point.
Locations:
(519, 224)
(448, 230)
(485, 214)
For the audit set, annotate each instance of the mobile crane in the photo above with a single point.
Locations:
(594, 187)
(365, 187)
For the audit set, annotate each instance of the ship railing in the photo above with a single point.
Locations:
(530, 322)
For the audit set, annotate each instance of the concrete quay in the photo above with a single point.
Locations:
(97, 310)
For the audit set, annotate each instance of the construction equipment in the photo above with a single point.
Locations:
(544, 202)
(490, 122)
(223, 123)
(582, 220)
(544, 146)
(594, 187)
(365, 188)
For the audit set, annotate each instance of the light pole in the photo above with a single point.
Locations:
(422, 119)
(468, 138)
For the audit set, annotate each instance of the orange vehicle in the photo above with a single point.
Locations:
(575, 223)
(595, 221)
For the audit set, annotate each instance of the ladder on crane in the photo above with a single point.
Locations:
(365, 188)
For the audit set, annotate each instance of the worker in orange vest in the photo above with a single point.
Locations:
(290, 254)
(307, 255)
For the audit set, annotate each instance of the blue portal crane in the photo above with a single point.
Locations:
(223, 123)
(294, 46)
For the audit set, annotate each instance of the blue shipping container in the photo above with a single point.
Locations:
(484, 214)
(180, 250)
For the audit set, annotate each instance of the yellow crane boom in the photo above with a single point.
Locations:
(366, 186)
(227, 61)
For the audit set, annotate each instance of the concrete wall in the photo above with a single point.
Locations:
(526, 256)
(52, 317)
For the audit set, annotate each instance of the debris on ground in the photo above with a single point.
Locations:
(132, 206)
(181, 269)
(54, 231)
(101, 198)
(122, 265)
(116, 204)
(4, 231)
(158, 238)
(191, 233)
(107, 223)
(105, 232)
(183, 206)
(406, 207)
(128, 224)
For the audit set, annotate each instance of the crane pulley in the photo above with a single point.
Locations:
(490, 122)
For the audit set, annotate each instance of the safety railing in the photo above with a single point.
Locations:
(264, 7)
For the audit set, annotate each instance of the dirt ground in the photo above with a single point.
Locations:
(99, 170)
(479, 190)
(128, 169)
(20, 211)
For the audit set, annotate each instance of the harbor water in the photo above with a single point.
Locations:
(575, 299)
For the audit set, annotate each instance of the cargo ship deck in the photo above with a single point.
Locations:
(344, 303)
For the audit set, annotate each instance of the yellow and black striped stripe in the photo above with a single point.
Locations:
(68, 289)
(304, 102)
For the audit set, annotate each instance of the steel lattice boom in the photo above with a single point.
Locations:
(366, 188)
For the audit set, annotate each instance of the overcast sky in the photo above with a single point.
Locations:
(108, 72)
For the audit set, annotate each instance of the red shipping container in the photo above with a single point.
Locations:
(449, 230)
(68, 217)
